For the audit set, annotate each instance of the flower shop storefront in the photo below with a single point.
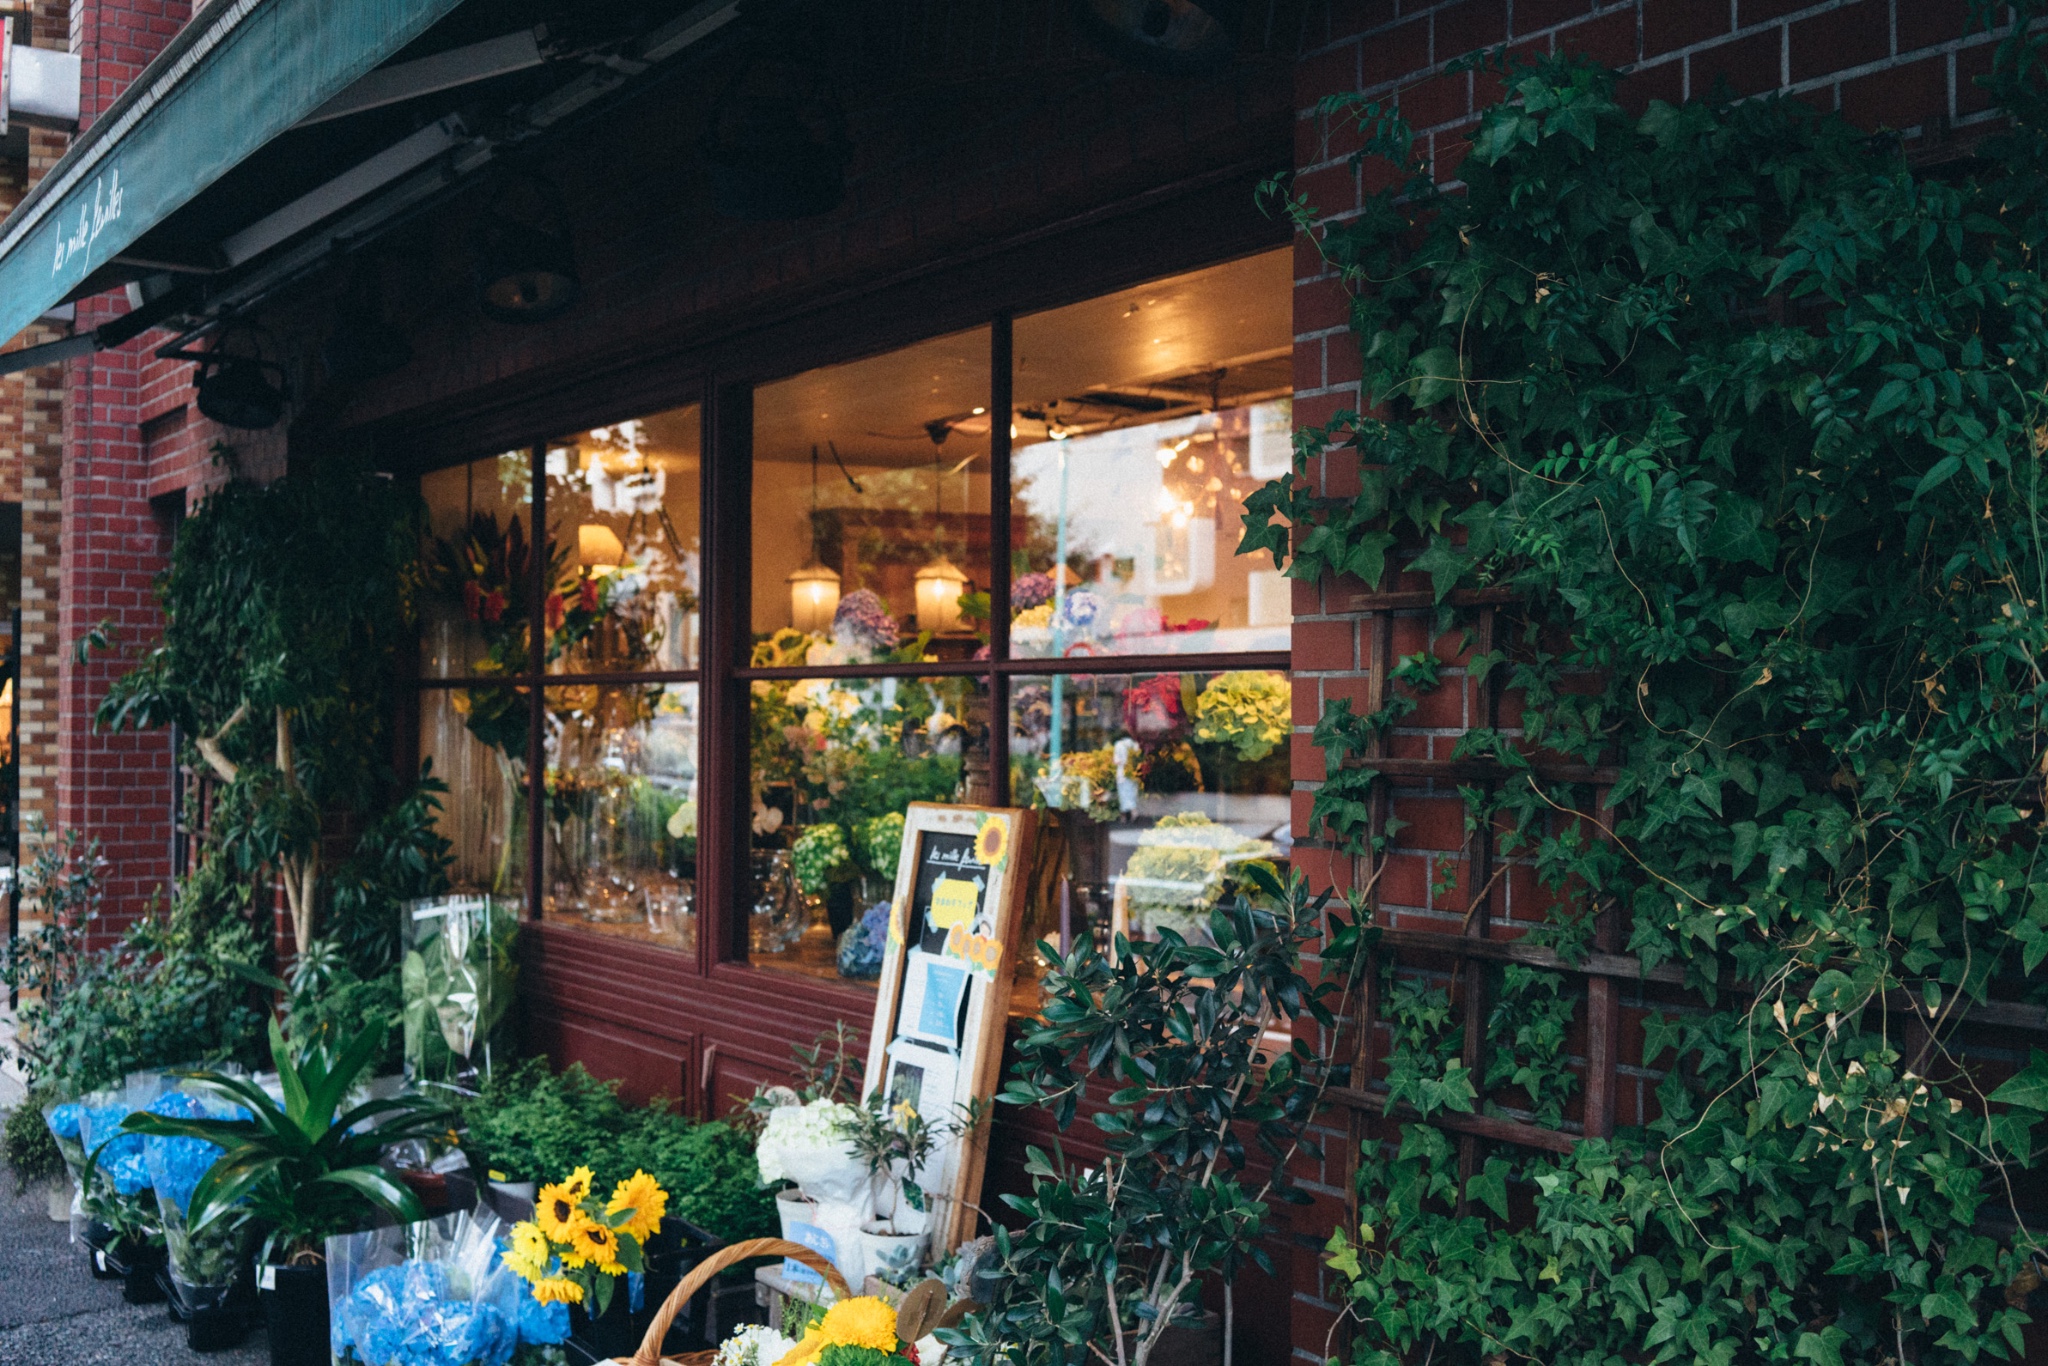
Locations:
(995, 566)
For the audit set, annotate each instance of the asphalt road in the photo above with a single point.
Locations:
(53, 1313)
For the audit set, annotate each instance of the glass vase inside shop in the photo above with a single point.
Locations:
(966, 585)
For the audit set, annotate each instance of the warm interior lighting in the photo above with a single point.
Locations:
(939, 586)
(814, 597)
(598, 547)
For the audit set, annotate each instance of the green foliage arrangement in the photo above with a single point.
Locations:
(532, 1124)
(1112, 1254)
(1749, 415)
(176, 989)
(306, 1168)
(284, 606)
(27, 1143)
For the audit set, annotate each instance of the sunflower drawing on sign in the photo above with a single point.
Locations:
(992, 842)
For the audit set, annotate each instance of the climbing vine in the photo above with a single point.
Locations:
(1749, 417)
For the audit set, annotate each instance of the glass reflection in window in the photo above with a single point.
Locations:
(1142, 421)
(623, 514)
(621, 809)
(1154, 791)
(871, 505)
(835, 763)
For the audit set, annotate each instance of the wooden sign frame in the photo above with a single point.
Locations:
(951, 958)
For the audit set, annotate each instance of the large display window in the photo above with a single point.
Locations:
(995, 566)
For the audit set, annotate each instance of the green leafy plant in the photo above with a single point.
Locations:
(30, 1148)
(1746, 413)
(284, 605)
(532, 1123)
(1112, 1254)
(305, 1168)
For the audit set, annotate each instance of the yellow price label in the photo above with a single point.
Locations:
(953, 902)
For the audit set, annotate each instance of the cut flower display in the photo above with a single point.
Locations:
(577, 1245)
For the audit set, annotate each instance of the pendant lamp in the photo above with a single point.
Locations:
(813, 587)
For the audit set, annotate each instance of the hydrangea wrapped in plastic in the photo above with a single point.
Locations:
(453, 1303)
(1179, 869)
(203, 1264)
(65, 1121)
(863, 623)
(799, 1139)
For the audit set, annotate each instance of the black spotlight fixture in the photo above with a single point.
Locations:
(525, 265)
(776, 144)
(1172, 37)
(235, 383)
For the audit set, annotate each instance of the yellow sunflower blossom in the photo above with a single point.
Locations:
(557, 1290)
(863, 1321)
(992, 842)
(643, 1196)
(530, 1252)
(559, 1212)
(598, 1245)
(804, 1352)
(579, 1183)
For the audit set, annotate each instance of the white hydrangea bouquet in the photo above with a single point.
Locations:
(808, 1144)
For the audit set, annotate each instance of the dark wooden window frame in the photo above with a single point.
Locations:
(724, 674)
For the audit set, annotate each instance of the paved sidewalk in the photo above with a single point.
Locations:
(53, 1313)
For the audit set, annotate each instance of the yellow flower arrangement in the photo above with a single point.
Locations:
(573, 1249)
(643, 1202)
(863, 1321)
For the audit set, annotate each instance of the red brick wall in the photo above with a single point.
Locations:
(114, 787)
(1901, 64)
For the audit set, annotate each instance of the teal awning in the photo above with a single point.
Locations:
(241, 73)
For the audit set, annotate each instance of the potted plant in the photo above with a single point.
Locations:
(579, 1244)
(34, 1156)
(300, 1170)
(894, 1144)
(1112, 1258)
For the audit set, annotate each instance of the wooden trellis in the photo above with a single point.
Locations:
(1603, 969)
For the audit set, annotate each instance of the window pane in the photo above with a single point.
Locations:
(473, 618)
(835, 764)
(1156, 789)
(621, 810)
(476, 740)
(871, 501)
(1143, 419)
(623, 512)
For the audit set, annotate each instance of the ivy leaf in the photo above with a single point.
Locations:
(1491, 1186)
(2029, 1089)
(1444, 563)
(1436, 376)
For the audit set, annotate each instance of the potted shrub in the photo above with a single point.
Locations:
(1112, 1258)
(34, 1157)
(300, 1170)
(528, 1124)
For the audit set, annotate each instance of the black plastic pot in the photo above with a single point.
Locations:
(295, 1311)
(671, 1255)
(219, 1323)
(610, 1334)
(138, 1264)
(99, 1240)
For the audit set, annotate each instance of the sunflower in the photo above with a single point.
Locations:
(530, 1252)
(992, 842)
(863, 1321)
(579, 1183)
(598, 1245)
(559, 1211)
(557, 1290)
(645, 1199)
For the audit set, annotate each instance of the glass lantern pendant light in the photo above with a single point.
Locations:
(1172, 37)
(814, 587)
(940, 583)
(525, 265)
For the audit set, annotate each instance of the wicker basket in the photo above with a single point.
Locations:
(701, 1274)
